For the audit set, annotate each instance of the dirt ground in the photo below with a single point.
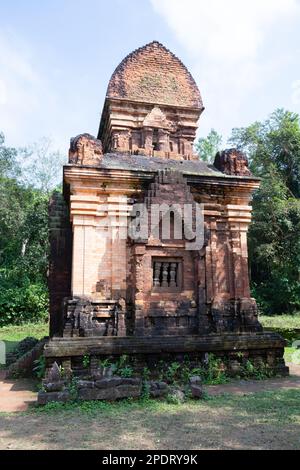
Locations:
(255, 415)
(252, 422)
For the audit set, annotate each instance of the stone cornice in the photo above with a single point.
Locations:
(102, 176)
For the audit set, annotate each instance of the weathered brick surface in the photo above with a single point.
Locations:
(152, 106)
(186, 301)
(60, 260)
(154, 74)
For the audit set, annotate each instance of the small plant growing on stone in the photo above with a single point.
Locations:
(86, 361)
(214, 373)
(172, 372)
(40, 367)
(126, 371)
(145, 394)
(123, 367)
(249, 368)
(105, 363)
(73, 389)
(146, 373)
(259, 372)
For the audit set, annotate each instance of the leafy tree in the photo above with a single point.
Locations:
(209, 146)
(8, 164)
(273, 148)
(23, 244)
(275, 144)
(41, 165)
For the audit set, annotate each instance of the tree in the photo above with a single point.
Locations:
(209, 146)
(273, 148)
(8, 163)
(275, 144)
(41, 165)
(23, 244)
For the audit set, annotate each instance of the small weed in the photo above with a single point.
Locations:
(126, 371)
(73, 388)
(86, 361)
(105, 363)
(40, 367)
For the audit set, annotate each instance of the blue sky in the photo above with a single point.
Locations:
(56, 57)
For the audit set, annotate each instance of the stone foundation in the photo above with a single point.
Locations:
(80, 357)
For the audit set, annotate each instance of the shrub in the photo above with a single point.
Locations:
(23, 304)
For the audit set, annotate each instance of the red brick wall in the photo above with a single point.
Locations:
(60, 260)
(153, 74)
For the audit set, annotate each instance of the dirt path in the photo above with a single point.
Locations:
(233, 419)
(16, 395)
(244, 387)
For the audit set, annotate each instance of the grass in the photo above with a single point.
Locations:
(15, 333)
(264, 420)
(280, 321)
(281, 405)
(12, 334)
(39, 330)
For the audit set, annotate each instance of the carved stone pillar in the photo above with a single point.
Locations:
(165, 272)
(163, 140)
(157, 269)
(173, 272)
(148, 138)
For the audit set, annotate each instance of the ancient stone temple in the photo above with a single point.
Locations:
(123, 277)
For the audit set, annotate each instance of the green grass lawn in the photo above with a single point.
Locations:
(285, 325)
(280, 321)
(15, 333)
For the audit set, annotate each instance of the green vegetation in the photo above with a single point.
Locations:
(273, 149)
(273, 406)
(209, 146)
(16, 333)
(268, 420)
(289, 327)
(40, 367)
(26, 179)
(281, 321)
(213, 371)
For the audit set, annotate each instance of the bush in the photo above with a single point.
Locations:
(23, 304)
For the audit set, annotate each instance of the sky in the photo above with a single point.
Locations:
(57, 56)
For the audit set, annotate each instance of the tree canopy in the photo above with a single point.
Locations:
(208, 147)
(273, 149)
(24, 232)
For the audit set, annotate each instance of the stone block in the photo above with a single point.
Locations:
(195, 380)
(47, 397)
(196, 391)
(110, 394)
(85, 384)
(157, 389)
(54, 386)
(109, 382)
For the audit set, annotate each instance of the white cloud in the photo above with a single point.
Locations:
(226, 30)
(19, 86)
(29, 106)
(226, 43)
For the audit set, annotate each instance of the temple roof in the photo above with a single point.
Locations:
(117, 161)
(155, 75)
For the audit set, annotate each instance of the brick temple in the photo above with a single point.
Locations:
(152, 296)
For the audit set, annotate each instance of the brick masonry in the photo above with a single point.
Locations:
(148, 125)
